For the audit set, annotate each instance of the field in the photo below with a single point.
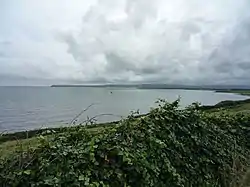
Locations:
(170, 146)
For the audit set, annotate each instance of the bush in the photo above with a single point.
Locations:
(168, 147)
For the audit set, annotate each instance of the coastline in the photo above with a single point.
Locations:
(235, 91)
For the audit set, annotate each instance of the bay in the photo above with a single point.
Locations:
(26, 108)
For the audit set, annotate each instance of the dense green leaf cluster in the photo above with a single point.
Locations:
(168, 147)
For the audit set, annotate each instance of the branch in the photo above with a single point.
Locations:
(89, 120)
(78, 115)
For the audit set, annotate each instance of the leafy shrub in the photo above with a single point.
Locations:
(168, 147)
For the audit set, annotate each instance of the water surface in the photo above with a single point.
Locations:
(25, 108)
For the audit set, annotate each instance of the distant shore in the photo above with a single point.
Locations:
(161, 86)
(236, 91)
(241, 90)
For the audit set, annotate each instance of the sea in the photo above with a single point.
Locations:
(28, 108)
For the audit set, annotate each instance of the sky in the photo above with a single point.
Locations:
(126, 41)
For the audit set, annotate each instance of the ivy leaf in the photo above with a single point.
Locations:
(27, 172)
(86, 181)
(81, 178)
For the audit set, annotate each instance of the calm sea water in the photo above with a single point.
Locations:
(25, 108)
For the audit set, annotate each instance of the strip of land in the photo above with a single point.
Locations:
(161, 86)
(236, 91)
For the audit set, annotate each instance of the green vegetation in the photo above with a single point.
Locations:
(33, 133)
(10, 147)
(230, 106)
(169, 146)
(240, 92)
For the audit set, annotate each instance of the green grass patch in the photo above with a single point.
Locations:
(34, 133)
(232, 106)
(12, 147)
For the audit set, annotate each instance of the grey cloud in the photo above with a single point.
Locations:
(150, 70)
(2, 54)
(139, 41)
(5, 43)
(143, 46)
(117, 63)
(231, 60)
(223, 67)
(188, 29)
(244, 65)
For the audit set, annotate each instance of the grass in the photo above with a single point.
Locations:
(231, 106)
(10, 147)
(32, 133)
(241, 108)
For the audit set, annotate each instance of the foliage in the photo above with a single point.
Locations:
(168, 147)
(228, 104)
(5, 137)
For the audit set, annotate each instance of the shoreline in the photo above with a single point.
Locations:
(20, 135)
(235, 91)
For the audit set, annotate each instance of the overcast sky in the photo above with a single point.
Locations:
(98, 41)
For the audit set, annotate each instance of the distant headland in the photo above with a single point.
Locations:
(161, 86)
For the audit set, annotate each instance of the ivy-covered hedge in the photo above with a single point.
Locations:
(168, 147)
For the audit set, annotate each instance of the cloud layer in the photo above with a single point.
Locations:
(192, 42)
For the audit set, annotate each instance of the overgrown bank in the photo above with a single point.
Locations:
(168, 147)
